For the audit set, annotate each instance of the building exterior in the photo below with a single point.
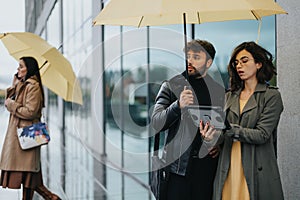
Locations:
(287, 30)
(100, 150)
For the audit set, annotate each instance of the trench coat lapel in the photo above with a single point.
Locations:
(252, 103)
(233, 104)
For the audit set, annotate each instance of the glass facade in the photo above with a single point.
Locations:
(101, 149)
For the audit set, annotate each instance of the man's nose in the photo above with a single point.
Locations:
(190, 59)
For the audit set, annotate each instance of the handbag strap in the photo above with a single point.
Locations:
(156, 143)
(43, 119)
(44, 116)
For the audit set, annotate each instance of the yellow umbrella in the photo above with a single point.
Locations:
(164, 12)
(56, 71)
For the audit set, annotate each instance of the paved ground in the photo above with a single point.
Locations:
(9, 194)
(119, 186)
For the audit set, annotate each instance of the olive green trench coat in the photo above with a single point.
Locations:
(256, 128)
(24, 111)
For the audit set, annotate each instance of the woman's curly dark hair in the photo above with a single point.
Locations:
(260, 55)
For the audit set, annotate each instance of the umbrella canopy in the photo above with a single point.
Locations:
(164, 12)
(56, 71)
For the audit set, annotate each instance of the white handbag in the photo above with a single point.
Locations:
(34, 135)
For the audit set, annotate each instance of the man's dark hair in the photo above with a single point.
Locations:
(202, 45)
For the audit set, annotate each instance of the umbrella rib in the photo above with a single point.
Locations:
(44, 64)
(140, 22)
(255, 15)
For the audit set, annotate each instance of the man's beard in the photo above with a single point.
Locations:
(198, 73)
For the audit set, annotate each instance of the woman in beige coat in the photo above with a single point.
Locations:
(247, 167)
(24, 101)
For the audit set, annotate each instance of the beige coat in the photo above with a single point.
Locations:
(24, 111)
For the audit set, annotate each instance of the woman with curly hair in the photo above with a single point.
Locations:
(248, 166)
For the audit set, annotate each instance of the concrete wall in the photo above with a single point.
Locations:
(288, 66)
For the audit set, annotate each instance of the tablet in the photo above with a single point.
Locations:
(213, 114)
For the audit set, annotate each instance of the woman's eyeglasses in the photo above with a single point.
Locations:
(242, 61)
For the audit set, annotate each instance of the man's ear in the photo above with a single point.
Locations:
(209, 63)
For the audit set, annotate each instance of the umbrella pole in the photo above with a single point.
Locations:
(185, 45)
(258, 32)
(43, 64)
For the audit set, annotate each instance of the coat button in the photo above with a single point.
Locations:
(260, 168)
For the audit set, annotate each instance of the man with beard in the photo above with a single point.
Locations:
(189, 175)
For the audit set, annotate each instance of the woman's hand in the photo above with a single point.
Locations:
(15, 80)
(207, 131)
(210, 137)
(7, 101)
(214, 152)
